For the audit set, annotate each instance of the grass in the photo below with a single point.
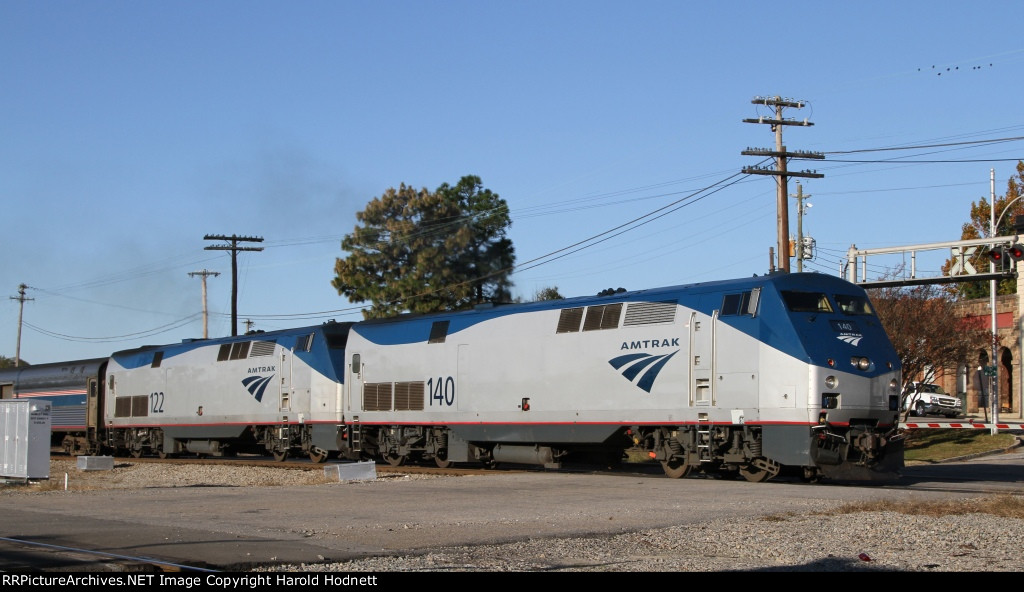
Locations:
(1004, 506)
(934, 445)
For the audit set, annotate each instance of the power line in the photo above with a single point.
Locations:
(148, 333)
(921, 146)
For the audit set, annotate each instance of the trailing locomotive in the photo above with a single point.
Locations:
(275, 393)
(748, 377)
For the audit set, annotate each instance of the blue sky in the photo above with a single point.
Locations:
(130, 130)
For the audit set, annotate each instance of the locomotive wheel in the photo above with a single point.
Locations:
(676, 469)
(163, 455)
(441, 460)
(135, 453)
(280, 456)
(754, 474)
(317, 455)
(395, 460)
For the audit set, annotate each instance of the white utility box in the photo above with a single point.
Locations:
(25, 438)
(95, 463)
(357, 471)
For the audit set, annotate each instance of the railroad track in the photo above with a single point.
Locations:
(383, 468)
(19, 555)
(298, 464)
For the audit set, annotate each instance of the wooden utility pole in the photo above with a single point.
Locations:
(234, 248)
(204, 274)
(800, 252)
(781, 170)
(21, 298)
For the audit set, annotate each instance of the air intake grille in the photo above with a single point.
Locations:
(409, 396)
(377, 396)
(569, 321)
(650, 313)
(602, 317)
(261, 349)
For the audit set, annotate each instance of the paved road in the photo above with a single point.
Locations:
(235, 528)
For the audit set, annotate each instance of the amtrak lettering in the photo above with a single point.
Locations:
(261, 369)
(674, 342)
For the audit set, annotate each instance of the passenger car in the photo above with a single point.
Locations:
(930, 399)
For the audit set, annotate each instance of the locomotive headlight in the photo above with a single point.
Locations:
(860, 363)
(894, 386)
(831, 382)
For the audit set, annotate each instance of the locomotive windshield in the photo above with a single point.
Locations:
(806, 301)
(853, 305)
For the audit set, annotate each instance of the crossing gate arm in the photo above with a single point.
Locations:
(962, 425)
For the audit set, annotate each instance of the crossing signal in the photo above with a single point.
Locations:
(1014, 252)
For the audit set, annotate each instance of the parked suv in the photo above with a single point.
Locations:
(929, 399)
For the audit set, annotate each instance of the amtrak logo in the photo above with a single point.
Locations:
(851, 339)
(848, 331)
(646, 366)
(256, 385)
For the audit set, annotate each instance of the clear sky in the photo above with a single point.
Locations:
(130, 130)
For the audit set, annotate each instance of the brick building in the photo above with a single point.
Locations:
(967, 380)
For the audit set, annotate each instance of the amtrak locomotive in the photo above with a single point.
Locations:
(751, 377)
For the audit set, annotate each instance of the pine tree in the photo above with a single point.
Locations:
(422, 251)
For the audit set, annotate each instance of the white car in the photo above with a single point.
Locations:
(929, 399)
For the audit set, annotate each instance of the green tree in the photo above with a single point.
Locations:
(6, 362)
(549, 293)
(422, 251)
(979, 226)
(924, 326)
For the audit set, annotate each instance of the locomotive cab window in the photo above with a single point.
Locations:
(740, 304)
(304, 343)
(806, 301)
(853, 305)
(438, 332)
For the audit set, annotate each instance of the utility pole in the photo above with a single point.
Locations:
(800, 197)
(204, 274)
(21, 298)
(249, 325)
(781, 170)
(234, 248)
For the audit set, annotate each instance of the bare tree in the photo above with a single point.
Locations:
(924, 327)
